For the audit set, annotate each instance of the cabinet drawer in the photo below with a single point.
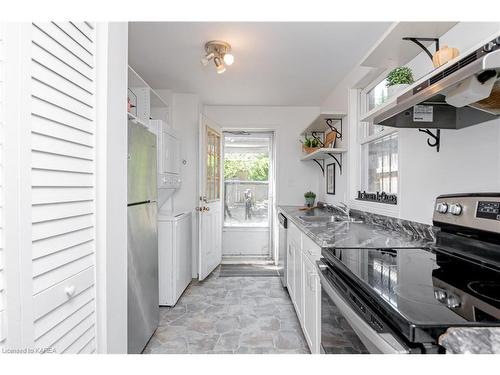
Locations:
(62, 292)
(294, 234)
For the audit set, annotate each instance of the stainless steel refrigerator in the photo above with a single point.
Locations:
(142, 247)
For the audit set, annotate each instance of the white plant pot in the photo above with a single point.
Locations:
(395, 89)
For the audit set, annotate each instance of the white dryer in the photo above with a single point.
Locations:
(174, 256)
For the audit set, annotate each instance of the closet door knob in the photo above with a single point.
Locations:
(70, 291)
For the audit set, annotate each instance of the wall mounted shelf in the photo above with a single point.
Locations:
(325, 121)
(392, 51)
(321, 154)
(149, 105)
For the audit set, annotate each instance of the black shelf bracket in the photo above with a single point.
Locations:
(418, 42)
(329, 123)
(315, 136)
(339, 163)
(321, 165)
(436, 142)
(437, 138)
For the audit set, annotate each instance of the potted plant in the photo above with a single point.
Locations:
(398, 79)
(310, 144)
(310, 197)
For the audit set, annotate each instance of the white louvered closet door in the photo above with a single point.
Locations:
(3, 315)
(63, 170)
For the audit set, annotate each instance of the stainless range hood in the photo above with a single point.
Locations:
(463, 92)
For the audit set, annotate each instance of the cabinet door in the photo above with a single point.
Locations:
(299, 290)
(316, 313)
(293, 243)
(290, 265)
(312, 308)
(57, 286)
(170, 154)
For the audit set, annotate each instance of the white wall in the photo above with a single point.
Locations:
(293, 177)
(186, 112)
(469, 159)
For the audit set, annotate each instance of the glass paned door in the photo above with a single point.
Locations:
(213, 165)
(247, 180)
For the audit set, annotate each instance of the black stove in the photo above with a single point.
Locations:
(417, 294)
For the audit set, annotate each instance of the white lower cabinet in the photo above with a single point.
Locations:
(299, 284)
(290, 263)
(303, 284)
(312, 308)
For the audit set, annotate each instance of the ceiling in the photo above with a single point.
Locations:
(276, 63)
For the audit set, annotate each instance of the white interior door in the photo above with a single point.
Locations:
(209, 207)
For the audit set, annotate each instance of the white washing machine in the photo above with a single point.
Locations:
(174, 256)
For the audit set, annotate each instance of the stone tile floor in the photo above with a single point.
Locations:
(227, 315)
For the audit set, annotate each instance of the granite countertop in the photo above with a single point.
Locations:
(463, 340)
(375, 231)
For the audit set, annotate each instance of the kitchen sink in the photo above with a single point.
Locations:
(318, 219)
(328, 219)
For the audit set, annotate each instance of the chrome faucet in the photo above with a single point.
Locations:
(344, 208)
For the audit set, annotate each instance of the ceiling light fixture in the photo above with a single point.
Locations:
(220, 53)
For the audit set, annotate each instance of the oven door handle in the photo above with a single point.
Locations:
(375, 342)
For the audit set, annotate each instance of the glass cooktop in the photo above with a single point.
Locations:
(419, 287)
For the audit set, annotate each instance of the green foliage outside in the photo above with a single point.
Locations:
(246, 167)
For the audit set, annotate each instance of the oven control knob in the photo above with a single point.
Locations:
(440, 294)
(442, 208)
(453, 302)
(488, 47)
(456, 209)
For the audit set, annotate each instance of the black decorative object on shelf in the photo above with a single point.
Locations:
(436, 137)
(317, 137)
(378, 197)
(330, 179)
(329, 123)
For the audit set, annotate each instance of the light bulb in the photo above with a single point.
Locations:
(221, 68)
(228, 59)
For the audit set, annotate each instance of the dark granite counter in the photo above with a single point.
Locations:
(375, 231)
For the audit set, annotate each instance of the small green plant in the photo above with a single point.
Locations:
(311, 142)
(400, 76)
(310, 194)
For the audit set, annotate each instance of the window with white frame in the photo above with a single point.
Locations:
(379, 145)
